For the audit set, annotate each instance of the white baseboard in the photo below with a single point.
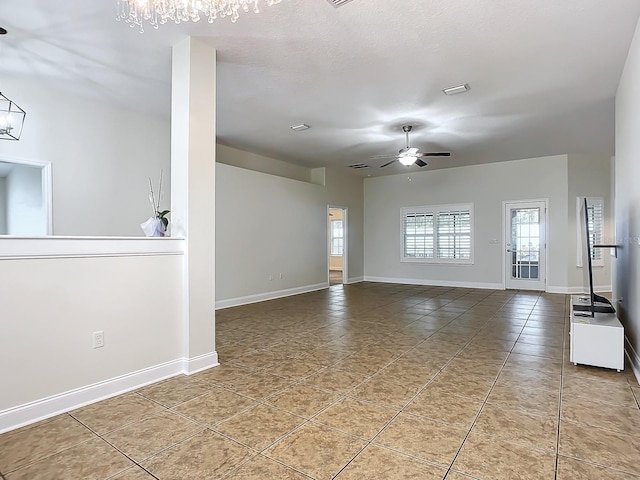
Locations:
(44, 408)
(355, 280)
(577, 290)
(200, 363)
(261, 297)
(633, 357)
(435, 283)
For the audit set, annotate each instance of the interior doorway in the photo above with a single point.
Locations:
(25, 198)
(337, 245)
(525, 245)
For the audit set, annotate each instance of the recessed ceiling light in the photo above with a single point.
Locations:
(299, 128)
(3, 31)
(457, 89)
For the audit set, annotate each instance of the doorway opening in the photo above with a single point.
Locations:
(25, 198)
(337, 248)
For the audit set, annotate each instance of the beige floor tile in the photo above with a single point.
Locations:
(375, 463)
(541, 402)
(316, 450)
(572, 469)
(445, 407)
(423, 438)
(516, 377)
(465, 385)
(302, 399)
(149, 435)
(538, 350)
(91, 460)
(214, 407)
(356, 418)
(106, 416)
(259, 385)
(259, 426)
(617, 393)
(495, 459)
(458, 476)
(173, 391)
(205, 456)
(611, 449)
(26, 445)
(334, 380)
(223, 374)
(295, 368)
(384, 393)
(134, 473)
(611, 417)
(527, 429)
(260, 467)
(533, 362)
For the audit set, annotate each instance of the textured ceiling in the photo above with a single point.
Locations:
(543, 74)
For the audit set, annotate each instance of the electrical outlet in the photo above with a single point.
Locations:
(98, 339)
(281, 276)
(270, 278)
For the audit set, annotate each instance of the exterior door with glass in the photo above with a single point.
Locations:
(525, 245)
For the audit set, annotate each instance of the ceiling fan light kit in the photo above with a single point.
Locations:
(411, 155)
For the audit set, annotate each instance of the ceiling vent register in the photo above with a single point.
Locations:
(359, 165)
(338, 3)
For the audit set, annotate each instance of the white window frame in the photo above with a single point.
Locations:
(334, 237)
(597, 254)
(436, 210)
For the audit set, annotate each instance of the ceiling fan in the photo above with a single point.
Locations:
(410, 155)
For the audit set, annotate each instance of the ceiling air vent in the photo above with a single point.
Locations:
(359, 165)
(338, 3)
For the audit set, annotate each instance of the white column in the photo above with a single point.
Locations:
(193, 150)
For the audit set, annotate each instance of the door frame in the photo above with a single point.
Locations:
(345, 242)
(505, 220)
(46, 186)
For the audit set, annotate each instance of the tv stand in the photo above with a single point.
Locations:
(597, 340)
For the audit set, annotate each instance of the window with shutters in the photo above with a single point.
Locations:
(595, 222)
(437, 234)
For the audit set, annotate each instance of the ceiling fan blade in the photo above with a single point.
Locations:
(421, 163)
(384, 156)
(434, 154)
(388, 163)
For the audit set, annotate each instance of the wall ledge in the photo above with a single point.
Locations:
(13, 248)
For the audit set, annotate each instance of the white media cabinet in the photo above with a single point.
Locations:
(596, 341)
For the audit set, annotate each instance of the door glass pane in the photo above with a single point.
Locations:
(525, 243)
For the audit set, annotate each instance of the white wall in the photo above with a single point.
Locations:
(267, 225)
(26, 214)
(486, 186)
(101, 158)
(3, 206)
(626, 267)
(51, 306)
(590, 176)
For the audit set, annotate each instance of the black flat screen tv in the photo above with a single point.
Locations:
(591, 302)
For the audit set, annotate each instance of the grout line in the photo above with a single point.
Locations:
(564, 344)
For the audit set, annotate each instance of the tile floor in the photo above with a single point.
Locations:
(366, 381)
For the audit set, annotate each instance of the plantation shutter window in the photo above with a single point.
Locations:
(437, 234)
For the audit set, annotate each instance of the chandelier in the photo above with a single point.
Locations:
(158, 12)
(11, 119)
